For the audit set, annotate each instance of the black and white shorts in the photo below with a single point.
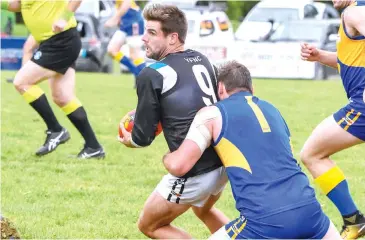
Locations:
(194, 191)
(59, 52)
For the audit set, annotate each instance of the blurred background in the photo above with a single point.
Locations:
(264, 35)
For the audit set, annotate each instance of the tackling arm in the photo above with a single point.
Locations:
(199, 137)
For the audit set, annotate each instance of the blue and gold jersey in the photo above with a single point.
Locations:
(134, 13)
(254, 146)
(351, 61)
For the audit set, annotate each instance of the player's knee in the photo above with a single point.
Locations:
(60, 100)
(306, 156)
(201, 213)
(144, 227)
(19, 84)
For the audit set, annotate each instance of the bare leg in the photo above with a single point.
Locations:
(212, 217)
(157, 215)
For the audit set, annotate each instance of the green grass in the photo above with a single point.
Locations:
(20, 30)
(57, 196)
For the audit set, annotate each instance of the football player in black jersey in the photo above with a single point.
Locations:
(172, 91)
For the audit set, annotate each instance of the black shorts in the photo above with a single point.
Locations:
(59, 52)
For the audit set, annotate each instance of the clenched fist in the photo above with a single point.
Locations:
(309, 52)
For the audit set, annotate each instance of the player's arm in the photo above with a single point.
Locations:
(147, 117)
(355, 18)
(312, 54)
(199, 138)
(11, 5)
(328, 58)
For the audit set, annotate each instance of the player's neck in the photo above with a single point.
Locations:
(238, 90)
(173, 49)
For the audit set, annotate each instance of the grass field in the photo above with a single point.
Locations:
(58, 196)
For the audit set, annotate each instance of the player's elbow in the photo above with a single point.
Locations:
(177, 170)
(141, 142)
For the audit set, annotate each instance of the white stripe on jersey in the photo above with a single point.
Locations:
(169, 77)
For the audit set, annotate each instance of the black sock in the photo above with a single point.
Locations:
(80, 121)
(43, 108)
(351, 218)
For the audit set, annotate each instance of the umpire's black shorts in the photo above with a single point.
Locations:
(59, 52)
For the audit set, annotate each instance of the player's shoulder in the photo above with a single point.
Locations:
(209, 112)
(162, 68)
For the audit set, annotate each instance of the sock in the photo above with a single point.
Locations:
(77, 115)
(139, 64)
(333, 183)
(350, 219)
(38, 100)
(125, 61)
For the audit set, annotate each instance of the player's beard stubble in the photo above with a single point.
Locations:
(155, 55)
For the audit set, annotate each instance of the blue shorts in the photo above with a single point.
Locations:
(306, 222)
(133, 29)
(352, 118)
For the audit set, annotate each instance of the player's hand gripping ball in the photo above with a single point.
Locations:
(128, 123)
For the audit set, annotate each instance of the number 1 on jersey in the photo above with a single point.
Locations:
(259, 115)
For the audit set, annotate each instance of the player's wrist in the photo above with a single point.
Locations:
(5, 4)
(67, 15)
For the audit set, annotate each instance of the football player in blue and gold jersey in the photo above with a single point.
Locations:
(251, 137)
(346, 127)
(128, 16)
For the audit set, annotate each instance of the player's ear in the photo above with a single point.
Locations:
(173, 38)
(221, 90)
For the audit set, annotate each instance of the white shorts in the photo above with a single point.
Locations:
(131, 41)
(194, 191)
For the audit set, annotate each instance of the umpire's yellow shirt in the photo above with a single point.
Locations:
(39, 16)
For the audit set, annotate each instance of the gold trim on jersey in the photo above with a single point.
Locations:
(351, 52)
(231, 156)
(265, 127)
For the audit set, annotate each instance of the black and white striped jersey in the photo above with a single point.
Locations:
(172, 91)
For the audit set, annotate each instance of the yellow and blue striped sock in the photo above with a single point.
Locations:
(139, 63)
(333, 183)
(120, 57)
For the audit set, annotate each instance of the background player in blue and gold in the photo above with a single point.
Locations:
(129, 17)
(252, 140)
(346, 127)
(52, 24)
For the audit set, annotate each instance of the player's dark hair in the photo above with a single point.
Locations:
(235, 76)
(172, 19)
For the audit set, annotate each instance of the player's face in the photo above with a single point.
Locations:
(154, 40)
(340, 4)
